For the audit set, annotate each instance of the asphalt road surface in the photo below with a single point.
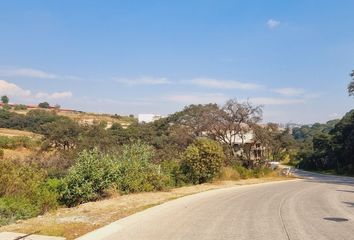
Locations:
(316, 207)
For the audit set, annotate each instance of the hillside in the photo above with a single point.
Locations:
(84, 117)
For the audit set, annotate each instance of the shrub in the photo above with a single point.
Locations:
(203, 160)
(2, 153)
(6, 107)
(23, 191)
(88, 178)
(14, 208)
(20, 107)
(95, 174)
(257, 172)
(43, 105)
(244, 172)
(261, 171)
(136, 172)
(229, 173)
(175, 173)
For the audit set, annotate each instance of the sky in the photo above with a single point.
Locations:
(130, 57)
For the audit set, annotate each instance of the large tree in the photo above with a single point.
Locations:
(351, 85)
(43, 105)
(233, 122)
(5, 99)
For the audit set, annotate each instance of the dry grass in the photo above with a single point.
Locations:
(18, 154)
(74, 222)
(17, 133)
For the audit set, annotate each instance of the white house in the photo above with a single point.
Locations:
(147, 118)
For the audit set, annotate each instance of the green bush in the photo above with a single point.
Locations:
(24, 191)
(14, 208)
(88, 179)
(136, 172)
(95, 174)
(174, 171)
(203, 160)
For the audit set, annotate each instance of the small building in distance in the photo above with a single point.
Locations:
(147, 118)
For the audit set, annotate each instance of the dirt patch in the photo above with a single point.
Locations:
(74, 222)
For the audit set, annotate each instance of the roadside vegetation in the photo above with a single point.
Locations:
(73, 163)
(328, 147)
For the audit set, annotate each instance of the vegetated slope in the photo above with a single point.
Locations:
(86, 118)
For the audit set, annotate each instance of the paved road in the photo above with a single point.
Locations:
(317, 207)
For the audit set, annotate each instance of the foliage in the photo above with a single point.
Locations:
(229, 173)
(94, 174)
(6, 107)
(203, 160)
(16, 142)
(333, 149)
(136, 172)
(14, 208)
(88, 178)
(62, 133)
(5, 99)
(23, 191)
(351, 85)
(20, 107)
(174, 171)
(43, 105)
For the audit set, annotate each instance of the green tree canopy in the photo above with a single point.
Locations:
(44, 105)
(5, 99)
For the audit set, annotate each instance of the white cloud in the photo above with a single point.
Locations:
(54, 96)
(289, 92)
(276, 101)
(13, 90)
(143, 81)
(74, 78)
(26, 72)
(334, 115)
(197, 98)
(221, 84)
(271, 23)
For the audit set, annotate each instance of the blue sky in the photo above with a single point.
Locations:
(293, 57)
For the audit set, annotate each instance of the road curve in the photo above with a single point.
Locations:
(316, 207)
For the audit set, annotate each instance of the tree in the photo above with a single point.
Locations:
(194, 118)
(44, 105)
(5, 99)
(233, 122)
(343, 143)
(351, 85)
(62, 133)
(203, 160)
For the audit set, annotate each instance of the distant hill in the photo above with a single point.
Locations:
(79, 116)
